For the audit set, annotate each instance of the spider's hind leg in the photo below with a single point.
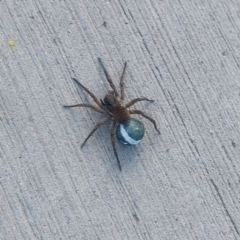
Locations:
(104, 120)
(135, 100)
(147, 117)
(112, 126)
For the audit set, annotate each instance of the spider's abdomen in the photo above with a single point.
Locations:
(121, 114)
(130, 133)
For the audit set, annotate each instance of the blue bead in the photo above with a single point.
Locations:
(130, 133)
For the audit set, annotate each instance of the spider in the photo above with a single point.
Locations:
(129, 130)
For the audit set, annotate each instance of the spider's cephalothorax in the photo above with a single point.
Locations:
(129, 130)
(112, 105)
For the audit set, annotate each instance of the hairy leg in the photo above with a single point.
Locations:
(146, 116)
(108, 78)
(122, 82)
(89, 92)
(112, 126)
(86, 105)
(137, 100)
(104, 120)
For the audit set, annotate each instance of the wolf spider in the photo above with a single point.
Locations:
(113, 106)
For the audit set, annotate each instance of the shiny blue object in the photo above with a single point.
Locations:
(130, 133)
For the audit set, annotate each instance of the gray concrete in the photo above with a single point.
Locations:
(183, 184)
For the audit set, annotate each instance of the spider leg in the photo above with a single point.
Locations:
(121, 82)
(104, 120)
(89, 92)
(146, 116)
(137, 100)
(108, 78)
(86, 105)
(112, 126)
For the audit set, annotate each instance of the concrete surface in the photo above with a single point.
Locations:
(184, 184)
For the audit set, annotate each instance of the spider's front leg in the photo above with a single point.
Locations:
(86, 105)
(95, 99)
(108, 78)
(122, 82)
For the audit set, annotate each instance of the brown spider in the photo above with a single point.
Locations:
(112, 104)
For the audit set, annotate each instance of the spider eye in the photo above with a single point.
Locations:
(130, 133)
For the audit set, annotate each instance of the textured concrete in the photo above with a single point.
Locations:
(183, 184)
